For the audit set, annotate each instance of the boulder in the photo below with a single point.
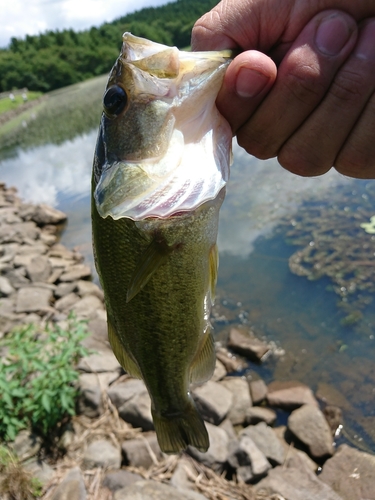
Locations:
(290, 395)
(143, 451)
(44, 214)
(267, 441)
(120, 479)
(256, 414)
(34, 299)
(76, 272)
(351, 473)
(72, 487)
(241, 402)
(219, 373)
(137, 411)
(309, 425)
(247, 345)
(147, 490)
(213, 401)
(103, 454)
(39, 268)
(216, 455)
(258, 391)
(248, 460)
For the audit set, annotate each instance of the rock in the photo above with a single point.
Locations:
(257, 414)
(329, 395)
(26, 444)
(213, 401)
(246, 345)
(250, 463)
(227, 426)
(239, 389)
(333, 415)
(39, 268)
(41, 470)
(72, 487)
(216, 455)
(150, 490)
(351, 473)
(142, 452)
(44, 214)
(291, 451)
(229, 360)
(311, 428)
(180, 480)
(258, 391)
(87, 307)
(64, 289)
(219, 373)
(76, 272)
(103, 454)
(5, 287)
(67, 302)
(105, 361)
(267, 441)
(295, 484)
(90, 398)
(121, 393)
(137, 411)
(33, 299)
(290, 395)
(120, 479)
(89, 288)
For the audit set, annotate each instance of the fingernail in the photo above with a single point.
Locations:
(366, 45)
(332, 34)
(250, 83)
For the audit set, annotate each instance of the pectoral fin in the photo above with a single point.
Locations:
(154, 256)
(203, 364)
(122, 356)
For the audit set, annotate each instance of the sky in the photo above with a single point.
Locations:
(31, 17)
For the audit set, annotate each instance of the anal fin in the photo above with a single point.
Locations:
(203, 364)
(153, 257)
(125, 360)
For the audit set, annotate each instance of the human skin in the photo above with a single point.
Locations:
(303, 87)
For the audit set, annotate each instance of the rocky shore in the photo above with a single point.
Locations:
(110, 451)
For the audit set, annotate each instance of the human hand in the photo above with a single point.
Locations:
(317, 109)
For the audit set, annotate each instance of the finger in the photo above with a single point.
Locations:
(314, 147)
(247, 80)
(357, 156)
(304, 76)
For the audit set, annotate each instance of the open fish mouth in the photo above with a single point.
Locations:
(189, 161)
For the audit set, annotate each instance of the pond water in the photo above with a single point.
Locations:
(256, 286)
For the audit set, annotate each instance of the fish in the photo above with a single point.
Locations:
(160, 168)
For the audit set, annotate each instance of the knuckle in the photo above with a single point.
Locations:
(348, 87)
(255, 145)
(301, 161)
(306, 84)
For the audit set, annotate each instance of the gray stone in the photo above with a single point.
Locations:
(72, 487)
(220, 371)
(137, 411)
(76, 272)
(5, 287)
(227, 426)
(309, 425)
(90, 395)
(41, 470)
(44, 214)
(64, 289)
(290, 395)
(213, 401)
(216, 455)
(150, 490)
(258, 391)
(105, 361)
(239, 389)
(39, 268)
(121, 392)
(180, 480)
(248, 459)
(33, 299)
(143, 451)
(26, 444)
(87, 307)
(291, 451)
(267, 441)
(295, 484)
(67, 302)
(89, 288)
(103, 454)
(351, 473)
(247, 345)
(120, 479)
(257, 414)
(231, 362)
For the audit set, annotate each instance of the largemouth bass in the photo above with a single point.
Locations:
(160, 169)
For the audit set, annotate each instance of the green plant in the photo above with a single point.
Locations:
(16, 483)
(37, 376)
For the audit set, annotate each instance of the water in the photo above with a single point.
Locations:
(255, 286)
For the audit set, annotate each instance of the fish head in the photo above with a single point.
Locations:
(162, 147)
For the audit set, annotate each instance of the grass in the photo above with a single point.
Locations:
(6, 104)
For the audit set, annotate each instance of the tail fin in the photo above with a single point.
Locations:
(177, 432)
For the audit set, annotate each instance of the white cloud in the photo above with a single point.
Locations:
(20, 18)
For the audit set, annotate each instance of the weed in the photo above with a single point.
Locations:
(37, 376)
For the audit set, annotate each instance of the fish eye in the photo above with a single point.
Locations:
(114, 101)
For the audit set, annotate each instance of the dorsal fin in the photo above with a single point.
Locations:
(153, 257)
(125, 360)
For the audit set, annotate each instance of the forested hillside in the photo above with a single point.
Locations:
(58, 58)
